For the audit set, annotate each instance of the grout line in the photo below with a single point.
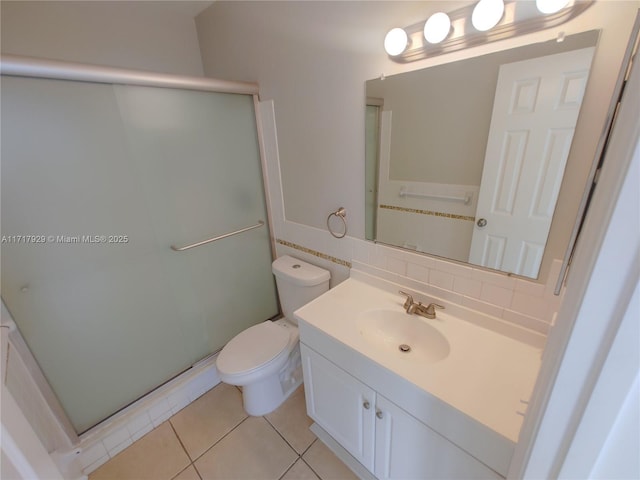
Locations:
(197, 471)
(185, 468)
(309, 447)
(215, 443)
(314, 472)
(300, 458)
(185, 451)
(179, 440)
(289, 468)
(310, 467)
(221, 438)
(281, 435)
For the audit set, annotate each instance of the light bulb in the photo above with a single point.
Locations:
(487, 14)
(396, 41)
(551, 6)
(437, 27)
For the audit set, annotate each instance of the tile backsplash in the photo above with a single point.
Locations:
(525, 303)
(528, 304)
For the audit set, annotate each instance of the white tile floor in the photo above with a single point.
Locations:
(213, 438)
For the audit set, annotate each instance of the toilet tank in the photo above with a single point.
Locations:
(298, 283)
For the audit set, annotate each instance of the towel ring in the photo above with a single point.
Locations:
(340, 213)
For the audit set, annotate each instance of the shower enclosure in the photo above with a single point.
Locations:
(100, 179)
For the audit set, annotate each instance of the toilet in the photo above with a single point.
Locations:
(265, 359)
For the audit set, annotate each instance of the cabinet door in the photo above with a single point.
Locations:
(340, 404)
(407, 449)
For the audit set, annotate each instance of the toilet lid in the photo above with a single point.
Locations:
(252, 348)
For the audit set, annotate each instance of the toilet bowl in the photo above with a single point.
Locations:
(265, 359)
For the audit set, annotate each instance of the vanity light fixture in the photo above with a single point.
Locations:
(487, 14)
(551, 6)
(486, 21)
(437, 27)
(396, 41)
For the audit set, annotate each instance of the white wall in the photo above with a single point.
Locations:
(155, 36)
(313, 58)
(579, 422)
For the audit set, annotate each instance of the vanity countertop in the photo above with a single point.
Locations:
(487, 375)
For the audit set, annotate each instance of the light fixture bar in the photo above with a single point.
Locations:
(520, 17)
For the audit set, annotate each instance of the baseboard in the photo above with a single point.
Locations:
(110, 437)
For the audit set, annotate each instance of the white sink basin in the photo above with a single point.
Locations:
(403, 335)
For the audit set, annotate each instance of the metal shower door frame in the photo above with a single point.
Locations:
(21, 66)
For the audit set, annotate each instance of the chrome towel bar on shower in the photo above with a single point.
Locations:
(219, 237)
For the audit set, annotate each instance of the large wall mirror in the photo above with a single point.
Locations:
(465, 160)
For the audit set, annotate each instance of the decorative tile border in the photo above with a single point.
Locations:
(429, 212)
(315, 253)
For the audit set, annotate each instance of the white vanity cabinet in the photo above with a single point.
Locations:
(341, 405)
(387, 440)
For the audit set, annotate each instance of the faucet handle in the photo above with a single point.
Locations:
(409, 301)
(431, 308)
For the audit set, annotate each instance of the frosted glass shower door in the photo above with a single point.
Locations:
(98, 181)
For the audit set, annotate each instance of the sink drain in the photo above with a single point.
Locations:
(404, 348)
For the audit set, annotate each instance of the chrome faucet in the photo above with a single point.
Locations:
(418, 308)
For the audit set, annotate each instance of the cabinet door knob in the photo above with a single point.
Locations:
(366, 404)
(379, 413)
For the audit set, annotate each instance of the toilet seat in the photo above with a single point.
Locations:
(253, 349)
